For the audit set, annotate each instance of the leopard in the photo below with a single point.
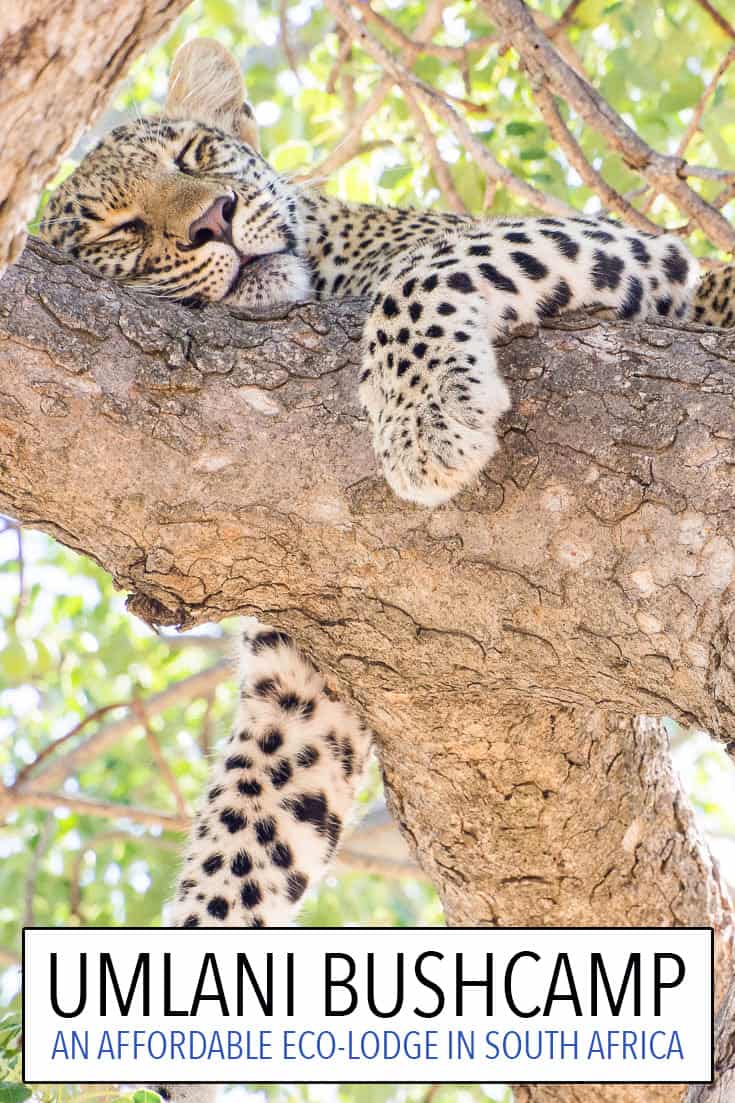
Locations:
(279, 798)
(714, 300)
(183, 206)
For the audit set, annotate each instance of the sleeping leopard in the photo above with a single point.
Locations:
(184, 207)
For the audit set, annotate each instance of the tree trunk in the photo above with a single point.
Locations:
(59, 62)
(722, 1090)
(500, 646)
(539, 816)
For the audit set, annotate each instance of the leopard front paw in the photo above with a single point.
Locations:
(432, 448)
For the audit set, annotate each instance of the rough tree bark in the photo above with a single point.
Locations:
(501, 646)
(59, 62)
(722, 1090)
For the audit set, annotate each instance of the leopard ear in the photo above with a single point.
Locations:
(205, 84)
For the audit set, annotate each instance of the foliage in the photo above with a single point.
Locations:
(651, 62)
(68, 649)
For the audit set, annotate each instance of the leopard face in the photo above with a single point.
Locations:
(186, 208)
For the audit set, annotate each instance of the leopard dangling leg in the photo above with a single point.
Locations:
(277, 800)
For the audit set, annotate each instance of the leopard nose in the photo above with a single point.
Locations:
(215, 224)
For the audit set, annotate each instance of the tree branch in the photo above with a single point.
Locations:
(53, 772)
(436, 102)
(439, 167)
(546, 66)
(352, 141)
(618, 439)
(696, 119)
(60, 63)
(589, 174)
(717, 16)
(12, 799)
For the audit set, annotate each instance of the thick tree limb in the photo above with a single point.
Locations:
(216, 465)
(59, 62)
(592, 565)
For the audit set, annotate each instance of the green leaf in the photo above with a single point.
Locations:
(518, 127)
(14, 1093)
(393, 176)
(15, 661)
(146, 1097)
(684, 92)
(534, 154)
(429, 69)
(291, 155)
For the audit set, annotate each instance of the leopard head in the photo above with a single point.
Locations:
(183, 206)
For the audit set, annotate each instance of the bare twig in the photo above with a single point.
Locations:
(439, 167)
(45, 836)
(351, 861)
(11, 799)
(544, 64)
(433, 100)
(635, 193)
(725, 196)
(360, 853)
(351, 143)
(197, 685)
(350, 146)
(205, 739)
(696, 118)
(565, 19)
(343, 56)
(160, 759)
(706, 172)
(51, 748)
(719, 19)
(417, 47)
(491, 189)
(611, 199)
(286, 38)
